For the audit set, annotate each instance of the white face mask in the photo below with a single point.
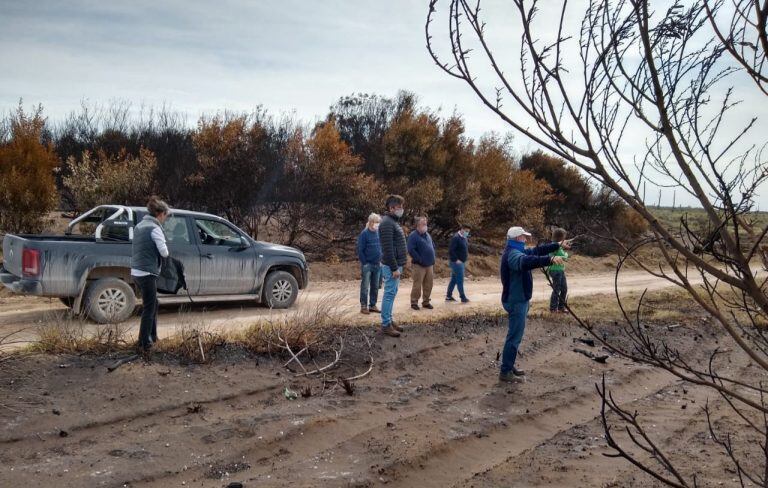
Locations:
(375, 226)
(399, 212)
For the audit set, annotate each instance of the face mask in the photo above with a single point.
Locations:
(375, 226)
(399, 212)
(466, 234)
(423, 230)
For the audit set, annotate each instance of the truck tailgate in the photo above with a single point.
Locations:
(13, 247)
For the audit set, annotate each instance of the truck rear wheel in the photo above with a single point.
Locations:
(109, 300)
(280, 289)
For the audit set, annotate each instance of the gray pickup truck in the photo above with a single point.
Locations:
(91, 273)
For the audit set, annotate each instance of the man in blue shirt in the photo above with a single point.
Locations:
(369, 254)
(421, 248)
(458, 253)
(517, 289)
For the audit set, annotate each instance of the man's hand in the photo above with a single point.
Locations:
(558, 260)
(396, 274)
(566, 244)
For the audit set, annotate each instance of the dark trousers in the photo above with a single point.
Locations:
(148, 329)
(559, 290)
(457, 280)
(517, 313)
(369, 285)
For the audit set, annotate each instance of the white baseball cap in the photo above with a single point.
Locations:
(515, 232)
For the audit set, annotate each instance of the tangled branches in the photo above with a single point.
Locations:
(642, 93)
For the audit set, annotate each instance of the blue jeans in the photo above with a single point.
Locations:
(369, 285)
(391, 285)
(559, 290)
(457, 280)
(517, 313)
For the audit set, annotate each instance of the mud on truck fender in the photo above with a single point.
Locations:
(281, 284)
(106, 295)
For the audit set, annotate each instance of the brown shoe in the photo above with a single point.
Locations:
(390, 331)
(396, 327)
(374, 309)
(364, 310)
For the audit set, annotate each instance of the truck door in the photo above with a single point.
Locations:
(228, 261)
(182, 245)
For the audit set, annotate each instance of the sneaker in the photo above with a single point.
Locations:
(511, 376)
(450, 299)
(415, 306)
(365, 310)
(390, 331)
(373, 309)
(396, 327)
(465, 300)
(508, 377)
(428, 306)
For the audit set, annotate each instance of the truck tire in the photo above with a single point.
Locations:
(109, 300)
(280, 289)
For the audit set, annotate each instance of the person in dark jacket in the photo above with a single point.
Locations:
(393, 258)
(369, 254)
(458, 253)
(517, 289)
(148, 248)
(421, 248)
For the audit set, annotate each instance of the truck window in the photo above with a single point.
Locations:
(215, 233)
(87, 226)
(176, 230)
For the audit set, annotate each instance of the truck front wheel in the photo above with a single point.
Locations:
(109, 300)
(280, 289)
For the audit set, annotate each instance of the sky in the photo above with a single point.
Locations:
(289, 56)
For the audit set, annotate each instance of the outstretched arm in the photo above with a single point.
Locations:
(543, 249)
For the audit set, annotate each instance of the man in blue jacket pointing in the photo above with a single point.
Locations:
(517, 289)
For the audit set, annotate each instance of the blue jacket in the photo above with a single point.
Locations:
(421, 248)
(369, 247)
(458, 249)
(516, 265)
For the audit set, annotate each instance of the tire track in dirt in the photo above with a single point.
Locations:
(320, 432)
(452, 351)
(180, 407)
(491, 446)
(558, 462)
(438, 392)
(293, 452)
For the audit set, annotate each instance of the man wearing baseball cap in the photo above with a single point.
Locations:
(517, 288)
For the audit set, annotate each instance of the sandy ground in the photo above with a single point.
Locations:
(28, 314)
(430, 414)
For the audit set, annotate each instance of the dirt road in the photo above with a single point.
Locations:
(30, 313)
(431, 414)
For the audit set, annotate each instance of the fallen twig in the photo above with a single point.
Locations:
(599, 358)
(324, 368)
(294, 357)
(122, 361)
(200, 345)
(362, 375)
